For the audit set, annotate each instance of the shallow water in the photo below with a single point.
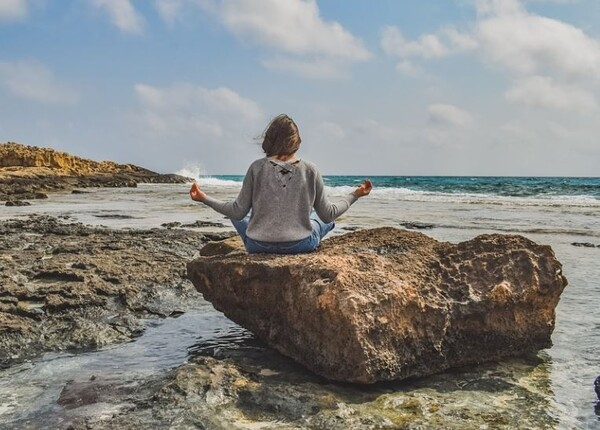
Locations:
(570, 366)
(29, 391)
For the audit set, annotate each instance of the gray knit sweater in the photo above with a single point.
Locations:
(281, 196)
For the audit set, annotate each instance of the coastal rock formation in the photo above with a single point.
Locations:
(67, 286)
(28, 172)
(249, 386)
(387, 304)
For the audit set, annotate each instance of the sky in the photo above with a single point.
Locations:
(386, 87)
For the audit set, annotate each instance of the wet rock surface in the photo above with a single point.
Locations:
(585, 244)
(17, 203)
(232, 381)
(28, 172)
(248, 385)
(67, 286)
(417, 225)
(387, 304)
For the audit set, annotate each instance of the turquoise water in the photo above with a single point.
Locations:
(477, 185)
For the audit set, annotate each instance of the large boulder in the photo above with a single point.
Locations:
(387, 304)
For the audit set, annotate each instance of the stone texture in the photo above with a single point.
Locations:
(387, 304)
(247, 385)
(68, 286)
(27, 172)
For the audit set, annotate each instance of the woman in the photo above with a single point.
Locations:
(282, 207)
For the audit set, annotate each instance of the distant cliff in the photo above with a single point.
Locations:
(28, 172)
(17, 155)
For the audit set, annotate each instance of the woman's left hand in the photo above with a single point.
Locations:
(364, 189)
(196, 193)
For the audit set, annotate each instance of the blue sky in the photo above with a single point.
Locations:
(398, 87)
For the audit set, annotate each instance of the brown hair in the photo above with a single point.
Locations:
(281, 136)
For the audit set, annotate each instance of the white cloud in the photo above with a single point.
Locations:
(556, 64)
(12, 10)
(32, 80)
(169, 10)
(445, 114)
(292, 26)
(305, 43)
(185, 123)
(447, 41)
(459, 41)
(539, 91)
(122, 14)
(394, 43)
(530, 44)
(185, 108)
(509, 37)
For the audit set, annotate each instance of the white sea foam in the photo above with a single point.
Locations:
(217, 182)
(193, 170)
(199, 174)
(400, 193)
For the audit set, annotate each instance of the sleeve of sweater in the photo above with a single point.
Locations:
(238, 208)
(327, 210)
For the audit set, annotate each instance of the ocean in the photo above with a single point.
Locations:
(561, 212)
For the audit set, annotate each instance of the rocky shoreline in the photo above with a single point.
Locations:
(68, 286)
(71, 287)
(29, 172)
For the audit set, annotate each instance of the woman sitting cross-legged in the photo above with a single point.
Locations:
(282, 207)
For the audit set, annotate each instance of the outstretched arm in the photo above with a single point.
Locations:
(236, 209)
(328, 211)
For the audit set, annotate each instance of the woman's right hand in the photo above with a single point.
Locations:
(364, 189)
(196, 193)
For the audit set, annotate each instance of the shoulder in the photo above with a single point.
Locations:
(309, 166)
(257, 164)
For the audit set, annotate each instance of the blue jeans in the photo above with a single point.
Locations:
(319, 230)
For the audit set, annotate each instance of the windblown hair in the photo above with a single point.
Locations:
(281, 136)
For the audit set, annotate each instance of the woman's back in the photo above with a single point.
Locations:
(283, 195)
(274, 209)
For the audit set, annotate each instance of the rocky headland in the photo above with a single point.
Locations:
(29, 172)
(388, 304)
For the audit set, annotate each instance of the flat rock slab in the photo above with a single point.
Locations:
(387, 304)
(68, 286)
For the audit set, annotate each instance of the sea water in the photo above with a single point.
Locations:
(560, 212)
